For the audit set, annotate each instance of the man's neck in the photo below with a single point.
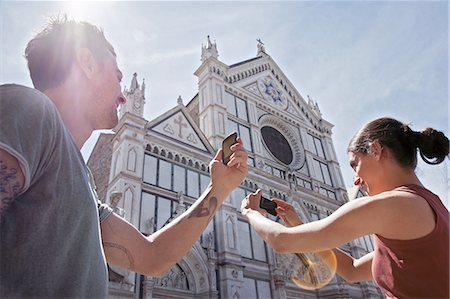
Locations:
(72, 114)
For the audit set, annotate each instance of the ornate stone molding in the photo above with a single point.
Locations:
(290, 135)
(170, 154)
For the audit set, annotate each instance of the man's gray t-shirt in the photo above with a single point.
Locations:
(50, 235)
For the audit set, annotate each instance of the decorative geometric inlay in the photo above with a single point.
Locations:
(295, 112)
(253, 88)
(177, 127)
(192, 138)
(272, 93)
(168, 128)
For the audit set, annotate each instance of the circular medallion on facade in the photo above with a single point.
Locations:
(272, 93)
(277, 144)
(282, 142)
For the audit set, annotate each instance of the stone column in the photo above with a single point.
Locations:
(148, 285)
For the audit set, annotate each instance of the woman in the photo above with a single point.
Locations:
(409, 223)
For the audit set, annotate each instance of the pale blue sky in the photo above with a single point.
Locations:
(358, 60)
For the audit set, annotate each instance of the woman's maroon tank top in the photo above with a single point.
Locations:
(416, 268)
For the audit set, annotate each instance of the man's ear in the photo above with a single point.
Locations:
(86, 62)
(376, 149)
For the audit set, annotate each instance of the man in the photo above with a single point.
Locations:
(51, 242)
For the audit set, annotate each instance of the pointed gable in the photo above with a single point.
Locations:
(262, 77)
(178, 125)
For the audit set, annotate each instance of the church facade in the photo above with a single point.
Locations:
(150, 171)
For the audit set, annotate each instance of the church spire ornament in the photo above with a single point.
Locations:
(261, 48)
(134, 84)
(135, 96)
(314, 107)
(143, 87)
(179, 100)
(210, 50)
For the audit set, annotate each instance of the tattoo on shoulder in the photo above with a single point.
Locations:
(122, 249)
(206, 208)
(9, 186)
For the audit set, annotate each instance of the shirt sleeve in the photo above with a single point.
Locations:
(29, 126)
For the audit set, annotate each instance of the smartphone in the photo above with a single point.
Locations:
(226, 144)
(268, 205)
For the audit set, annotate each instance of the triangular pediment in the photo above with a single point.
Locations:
(264, 80)
(178, 125)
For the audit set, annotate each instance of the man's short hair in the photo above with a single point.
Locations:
(51, 52)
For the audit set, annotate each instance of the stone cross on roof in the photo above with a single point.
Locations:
(261, 48)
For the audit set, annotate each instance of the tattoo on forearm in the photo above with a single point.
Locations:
(206, 208)
(9, 186)
(122, 249)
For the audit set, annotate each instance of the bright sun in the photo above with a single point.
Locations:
(77, 10)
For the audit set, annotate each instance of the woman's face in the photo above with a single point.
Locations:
(364, 167)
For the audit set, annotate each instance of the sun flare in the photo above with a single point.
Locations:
(77, 10)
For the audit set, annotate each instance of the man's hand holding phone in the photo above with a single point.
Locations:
(228, 176)
(227, 143)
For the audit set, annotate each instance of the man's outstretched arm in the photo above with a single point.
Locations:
(154, 255)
